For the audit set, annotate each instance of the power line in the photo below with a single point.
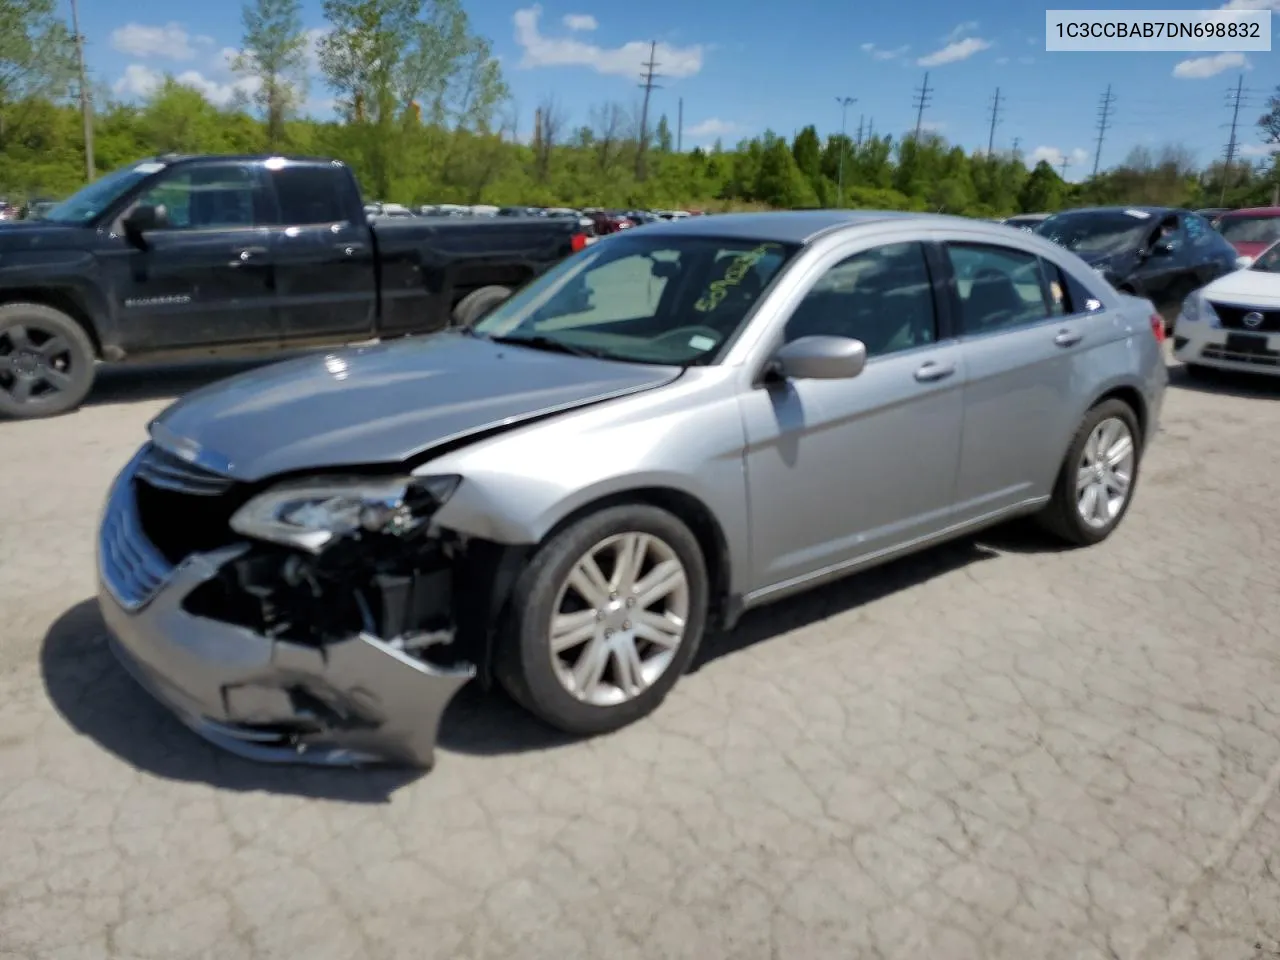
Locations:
(1104, 123)
(921, 101)
(995, 119)
(1235, 98)
(646, 83)
(86, 104)
(844, 110)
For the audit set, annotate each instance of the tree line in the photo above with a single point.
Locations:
(423, 115)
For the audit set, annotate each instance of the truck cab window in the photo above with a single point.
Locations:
(207, 197)
(308, 195)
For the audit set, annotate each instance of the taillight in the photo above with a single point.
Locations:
(1157, 327)
(578, 242)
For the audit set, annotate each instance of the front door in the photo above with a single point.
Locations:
(1021, 339)
(841, 470)
(327, 284)
(206, 278)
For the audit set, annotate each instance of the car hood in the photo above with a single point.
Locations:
(1246, 288)
(383, 404)
(23, 235)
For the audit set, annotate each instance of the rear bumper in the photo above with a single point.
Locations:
(1205, 345)
(356, 701)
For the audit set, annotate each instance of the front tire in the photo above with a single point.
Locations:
(1096, 483)
(46, 362)
(605, 619)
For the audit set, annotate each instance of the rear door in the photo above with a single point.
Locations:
(325, 269)
(206, 279)
(1021, 337)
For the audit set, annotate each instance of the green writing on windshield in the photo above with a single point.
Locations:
(738, 268)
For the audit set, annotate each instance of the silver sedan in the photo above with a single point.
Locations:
(673, 426)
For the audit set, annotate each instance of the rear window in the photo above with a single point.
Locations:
(308, 195)
(1245, 229)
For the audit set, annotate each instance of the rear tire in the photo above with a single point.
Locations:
(553, 678)
(477, 303)
(1075, 516)
(46, 362)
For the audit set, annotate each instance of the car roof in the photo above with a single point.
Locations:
(1153, 211)
(1253, 212)
(798, 226)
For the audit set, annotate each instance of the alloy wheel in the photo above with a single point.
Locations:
(35, 364)
(1105, 474)
(619, 619)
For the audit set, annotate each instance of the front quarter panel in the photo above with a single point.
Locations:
(686, 437)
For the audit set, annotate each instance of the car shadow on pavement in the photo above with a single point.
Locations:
(1256, 386)
(95, 695)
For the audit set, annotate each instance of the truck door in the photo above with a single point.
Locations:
(205, 278)
(326, 276)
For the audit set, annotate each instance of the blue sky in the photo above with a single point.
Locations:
(742, 68)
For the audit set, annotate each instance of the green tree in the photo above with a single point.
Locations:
(36, 54)
(779, 182)
(663, 141)
(1269, 122)
(274, 55)
(807, 151)
(1043, 190)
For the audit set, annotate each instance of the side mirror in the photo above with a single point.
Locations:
(145, 218)
(1163, 247)
(821, 358)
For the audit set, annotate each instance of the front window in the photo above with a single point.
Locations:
(1269, 260)
(85, 204)
(1103, 232)
(643, 299)
(203, 197)
(1250, 229)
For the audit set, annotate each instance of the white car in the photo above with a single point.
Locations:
(1234, 322)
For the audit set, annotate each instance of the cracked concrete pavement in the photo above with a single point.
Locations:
(993, 750)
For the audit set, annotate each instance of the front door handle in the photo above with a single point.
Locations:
(350, 249)
(246, 254)
(1068, 338)
(932, 371)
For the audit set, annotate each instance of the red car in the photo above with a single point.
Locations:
(1251, 230)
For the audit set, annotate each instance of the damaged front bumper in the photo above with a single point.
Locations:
(355, 699)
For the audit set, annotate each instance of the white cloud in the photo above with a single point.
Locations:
(170, 41)
(624, 61)
(1259, 149)
(139, 80)
(580, 21)
(954, 52)
(1251, 5)
(932, 126)
(1054, 157)
(1002, 60)
(960, 31)
(1199, 68)
(712, 128)
(879, 53)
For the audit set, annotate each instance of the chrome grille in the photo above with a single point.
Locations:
(164, 471)
(132, 568)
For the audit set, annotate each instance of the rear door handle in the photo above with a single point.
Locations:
(935, 371)
(1068, 338)
(349, 249)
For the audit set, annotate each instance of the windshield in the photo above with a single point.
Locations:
(658, 299)
(1250, 229)
(1269, 260)
(85, 204)
(1106, 232)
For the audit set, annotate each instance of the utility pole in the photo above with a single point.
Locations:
(650, 74)
(86, 104)
(1236, 96)
(1104, 123)
(844, 110)
(861, 121)
(922, 101)
(680, 125)
(1017, 142)
(1066, 162)
(871, 129)
(995, 119)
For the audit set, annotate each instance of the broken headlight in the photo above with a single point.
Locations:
(311, 514)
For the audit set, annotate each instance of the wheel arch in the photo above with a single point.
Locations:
(60, 299)
(1132, 397)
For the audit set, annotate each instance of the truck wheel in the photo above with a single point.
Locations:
(477, 303)
(46, 361)
(605, 619)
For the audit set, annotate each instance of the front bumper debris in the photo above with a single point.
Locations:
(357, 700)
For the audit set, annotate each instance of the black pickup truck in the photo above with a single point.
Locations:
(212, 255)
